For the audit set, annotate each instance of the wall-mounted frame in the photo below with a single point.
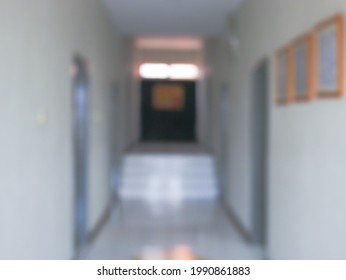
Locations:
(330, 57)
(283, 63)
(302, 64)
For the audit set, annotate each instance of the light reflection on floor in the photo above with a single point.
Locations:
(169, 202)
(137, 229)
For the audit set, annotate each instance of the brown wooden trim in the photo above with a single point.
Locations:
(314, 71)
(310, 94)
(330, 21)
(290, 75)
(341, 54)
(328, 94)
(338, 21)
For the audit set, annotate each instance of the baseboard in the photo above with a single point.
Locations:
(237, 223)
(101, 223)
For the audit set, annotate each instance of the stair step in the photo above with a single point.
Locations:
(166, 177)
(197, 183)
(132, 194)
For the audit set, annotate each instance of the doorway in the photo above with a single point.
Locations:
(259, 151)
(168, 111)
(81, 132)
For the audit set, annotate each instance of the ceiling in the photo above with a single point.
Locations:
(171, 17)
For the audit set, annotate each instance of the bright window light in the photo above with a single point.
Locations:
(165, 71)
(183, 71)
(154, 71)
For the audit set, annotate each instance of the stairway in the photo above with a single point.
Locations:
(168, 177)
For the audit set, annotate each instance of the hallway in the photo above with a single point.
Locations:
(130, 127)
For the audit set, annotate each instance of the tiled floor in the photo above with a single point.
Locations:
(137, 228)
(169, 200)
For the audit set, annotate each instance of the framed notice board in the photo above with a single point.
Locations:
(330, 57)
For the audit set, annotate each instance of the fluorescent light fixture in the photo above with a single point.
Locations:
(184, 71)
(154, 71)
(165, 71)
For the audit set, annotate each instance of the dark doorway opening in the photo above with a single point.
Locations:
(80, 133)
(168, 111)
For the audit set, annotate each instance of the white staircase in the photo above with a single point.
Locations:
(168, 177)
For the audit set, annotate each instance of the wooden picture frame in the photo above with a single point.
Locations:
(283, 81)
(330, 57)
(303, 68)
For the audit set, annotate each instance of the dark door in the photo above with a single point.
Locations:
(168, 111)
(80, 130)
(259, 144)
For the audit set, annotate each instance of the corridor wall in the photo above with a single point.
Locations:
(307, 151)
(38, 41)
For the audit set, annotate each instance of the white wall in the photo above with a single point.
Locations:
(307, 141)
(38, 41)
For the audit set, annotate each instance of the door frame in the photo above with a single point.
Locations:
(259, 146)
(80, 114)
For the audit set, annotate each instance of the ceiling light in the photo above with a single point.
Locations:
(183, 71)
(154, 71)
(165, 71)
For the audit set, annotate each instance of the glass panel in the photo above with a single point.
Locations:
(328, 77)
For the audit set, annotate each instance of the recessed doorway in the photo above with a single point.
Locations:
(168, 111)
